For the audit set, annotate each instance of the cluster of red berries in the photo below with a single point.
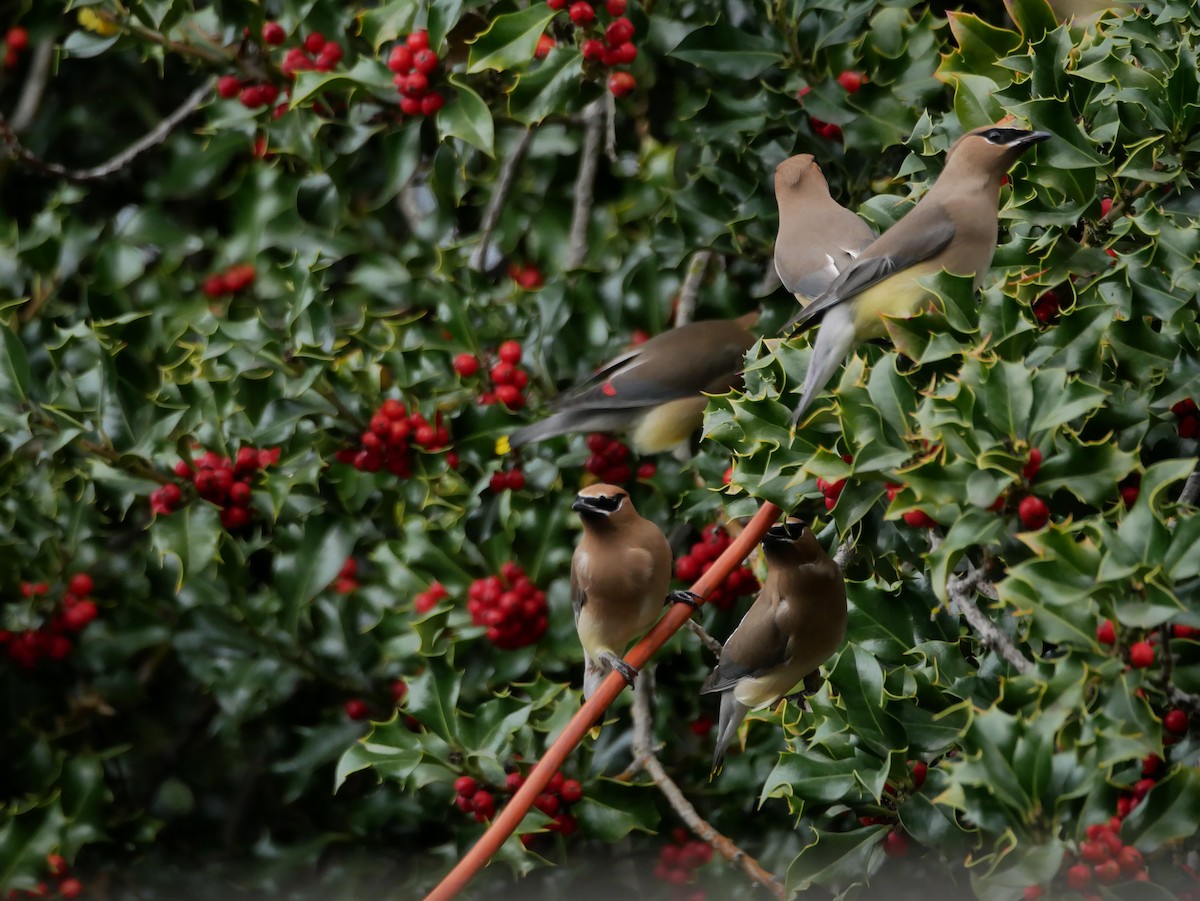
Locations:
(850, 81)
(1103, 860)
(895, 841)
(390, 438)
(508, 378)
(1141, 653)
(678, 862)
(235, 279)
(510, 606)
(613, 47)
(428, 599)
(226, 482)
(68, 886)
(52, 640)
(316, 53)
(831, 491)
(526, 275)
(1047, 307)
(917, 519)
(507, 480)
(357, 709)
(560, 793)
(610, 459)
(692, 565)
(347, 577)
(16, 41)
(413, 65)
(1187, 418)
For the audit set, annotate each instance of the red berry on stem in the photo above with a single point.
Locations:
(425, 61)
(851, 81)
(1033, 892)
(1175, 721)
(465, 786)
(273, 33)
(400, 60)
(616, 7)
(418, 40)
(920, 770)
(621, 83)
(593, 49)
(1141, 655)
(356, 709)
(431, 103)
(1105, 206)
(315, 42)
(919, 519)
(895, 844)
(544, 45)
(1033, 512)
(1106, 632)
(228, 86)
(17, 39)
(70, 888)
(1035, 463)
(618, 32)
(80, 585)
(1108, 872)
(582, 13)
(509, 352)
(466, 365)
(556, 4)
(1079, 876)
(571, 791)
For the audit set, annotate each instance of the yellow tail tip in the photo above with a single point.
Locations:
(502, 446)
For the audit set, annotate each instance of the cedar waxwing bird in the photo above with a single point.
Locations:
(953, 227)
(817, 236)
(794, 625)
(655, 391)
(619, 577)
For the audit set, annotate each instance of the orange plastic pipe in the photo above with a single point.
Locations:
(510, 817)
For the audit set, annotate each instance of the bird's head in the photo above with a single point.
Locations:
(785, 532)
(992, 149)
(798, 173)
(601, 503)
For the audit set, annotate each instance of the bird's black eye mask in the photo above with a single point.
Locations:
(1003, 137)
(600, 504)
(785, 531)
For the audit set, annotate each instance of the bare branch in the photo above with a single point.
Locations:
(156, 136)
(491, 215)
(707, 640)
(962, 591)
(685, 307)
(34, 87)
(1191, 488)
(610, 126)
(585, 182)
(644, 757)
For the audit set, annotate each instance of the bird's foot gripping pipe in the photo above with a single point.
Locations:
(685, 597)
(628, 673)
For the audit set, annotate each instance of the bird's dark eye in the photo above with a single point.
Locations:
(786, 531)
(607, 504)
(995, 136)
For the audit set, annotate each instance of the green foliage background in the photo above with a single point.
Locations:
(207, 697)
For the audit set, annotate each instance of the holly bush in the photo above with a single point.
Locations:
(276, 278)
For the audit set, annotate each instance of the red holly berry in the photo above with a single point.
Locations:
(416, 85)
(615, 7)
(1175, 721)
(920, 770)
(1141, 655)
(465, 786)
(1106, 632)
(895, 844)
(620, 55)
(582, 13)
(509, 352)
(1129, 495)
(1105, 206)
(357, 709)
(425, 61)
(1130, 860)
(1033, 512)
(547, 803)
(273, 33)
(76, 617)
(17, 39)
(431, 103)
(56, 864)
(228, 86)
(556, 4)
(618, 32)
(544, 45)
(315, 42)
(483, 804)
(1079, 876)
(80, 585)
(571, 791)
(919, 519)
(400, 60)
(851, 81)
(1035, 463)
(1108, 872)
(1033, 892)
(418, 40)
(621, 83)
(593, 49)
(70, 888)
(399, 690)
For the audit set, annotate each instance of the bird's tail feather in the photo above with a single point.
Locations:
(594, 672)
(733, 712)
(835, 339)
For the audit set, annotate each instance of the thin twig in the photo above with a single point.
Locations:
(610, 127)
(1191, 488)
(685, 307)
(961, 591)
(707, 640)
(585, 183)
(644, 757)
(154, 137)
(491, 215)
(34, 87)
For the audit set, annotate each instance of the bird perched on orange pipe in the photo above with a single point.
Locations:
(953, 227)
(817, 236)
(620, 573)
(794, 625)
(656, 391)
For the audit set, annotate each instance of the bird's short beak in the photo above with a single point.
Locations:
(1033, 137)
(581, 503)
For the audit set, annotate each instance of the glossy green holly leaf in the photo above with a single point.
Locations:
(510, 40)
(468, 118)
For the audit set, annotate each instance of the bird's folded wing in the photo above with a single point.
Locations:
(920, 241)
(749, 652)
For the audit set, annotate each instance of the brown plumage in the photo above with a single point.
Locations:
(953, 227)
(817, 237)
(794, 625)
(620, 573)
(656, 391)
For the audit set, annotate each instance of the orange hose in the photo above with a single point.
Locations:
(510, 817)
